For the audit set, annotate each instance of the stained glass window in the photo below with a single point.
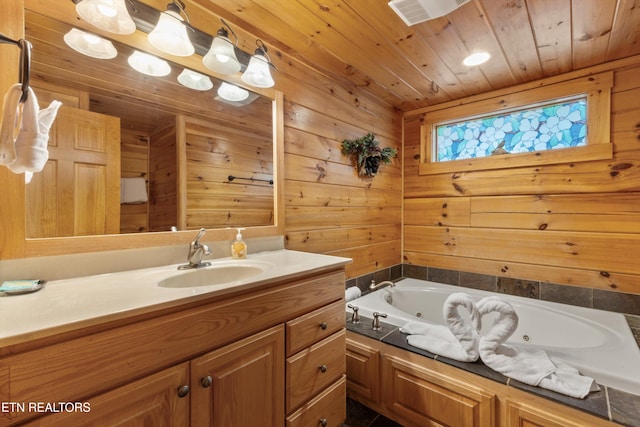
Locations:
(561, 124)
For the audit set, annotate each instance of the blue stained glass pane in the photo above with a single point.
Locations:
(559, 125)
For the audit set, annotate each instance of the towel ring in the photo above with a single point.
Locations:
(25, 67)
(25, 63)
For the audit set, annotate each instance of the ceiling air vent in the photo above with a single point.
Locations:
(415, 11)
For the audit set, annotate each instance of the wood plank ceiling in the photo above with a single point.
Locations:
(364, 43)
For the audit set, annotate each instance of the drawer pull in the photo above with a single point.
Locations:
(323, 368)
(183, 391)
(206, 381)
(323, 326)
(323, 422)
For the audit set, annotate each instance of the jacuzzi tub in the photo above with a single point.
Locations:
(598, 343)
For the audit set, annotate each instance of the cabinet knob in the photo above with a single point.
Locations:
(183, 390)
(323, 326)
(323, 422)
(323, 368)
(206, 381)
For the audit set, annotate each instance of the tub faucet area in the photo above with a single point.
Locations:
(373, 286)
(196, 251)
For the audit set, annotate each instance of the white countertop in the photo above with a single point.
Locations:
(70, 304)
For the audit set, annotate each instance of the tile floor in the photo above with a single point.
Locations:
(360, 416)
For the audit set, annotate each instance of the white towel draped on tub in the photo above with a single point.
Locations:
(24, 133)
(533, 367)
(458, 340)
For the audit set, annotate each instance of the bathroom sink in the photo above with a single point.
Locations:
(214, 275)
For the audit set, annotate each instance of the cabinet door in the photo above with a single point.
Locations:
(520, 414)
(363, 372)
(428, 398)
(242, 384)
(152, 401)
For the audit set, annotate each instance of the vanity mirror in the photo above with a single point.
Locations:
(208, 139)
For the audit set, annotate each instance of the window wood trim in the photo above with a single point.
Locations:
(599, 147)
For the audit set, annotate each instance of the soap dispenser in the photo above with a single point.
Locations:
(239, 247)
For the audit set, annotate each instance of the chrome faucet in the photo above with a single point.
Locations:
(196, 251)
(373, 286)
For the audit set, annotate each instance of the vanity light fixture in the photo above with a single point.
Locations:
(257, 73)
(90, 44)
(476, 58)
(170, 34)
(149, 64)
(195, 80)
(218, 53)
(221, 57)
(108, 15)
(232, 93)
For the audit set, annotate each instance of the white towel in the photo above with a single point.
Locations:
(133, 190)
(352, 293)
(458, 340)
(25, 134)
(10, 124)
(529, 366)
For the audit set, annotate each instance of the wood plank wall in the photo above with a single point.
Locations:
(328, 208)
(134, 158)
(163, 180)
(574, 223)
(214, 151)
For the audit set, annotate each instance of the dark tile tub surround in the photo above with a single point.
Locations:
(616, 405)
(573, 295)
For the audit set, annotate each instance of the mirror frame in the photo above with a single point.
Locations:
(13, 241)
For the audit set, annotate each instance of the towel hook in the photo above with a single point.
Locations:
(25, 63)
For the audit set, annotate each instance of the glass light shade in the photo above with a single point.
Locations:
(170, 35)
(232, 93)
(194, 80)
(149, 64)
(108, 15)
(90, 44)
(476, 59)
(257, 73)
(221, 57)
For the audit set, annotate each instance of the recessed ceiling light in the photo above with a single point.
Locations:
(476, 59)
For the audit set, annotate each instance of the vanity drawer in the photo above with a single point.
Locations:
(314, 368)
(330, 406)
(313, 327)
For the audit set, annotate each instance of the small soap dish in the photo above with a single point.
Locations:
(19, 287)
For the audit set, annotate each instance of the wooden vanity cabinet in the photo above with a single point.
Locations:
(223, 363)
(240, 385)
(316, 367)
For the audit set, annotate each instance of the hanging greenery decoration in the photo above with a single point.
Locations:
(367, 154)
